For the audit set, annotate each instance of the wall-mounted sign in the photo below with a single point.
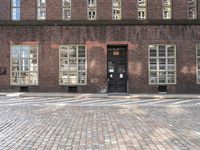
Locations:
(2, 70)
(115, 53)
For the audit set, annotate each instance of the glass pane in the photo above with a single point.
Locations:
(153, 67)
(162, 51)
(198, 52)
(63, 51)
(153, 61)
(33, 78)
(81, 51)
(153, 74)
(24, 65)
(171, 67)
(25, 52)
(170, 51)
(66, 13)
(171, 61)
(64, 78)
(15, 51)
(81, 79)
(41, 3)
(162, 61)
(16, 3)
(64, 65)
(81, 64)
(72, 78)
(111, 67)
(42, 13)
(15, 81)
(24, 78)
(141, 2)
(16, 14)
(153, 52)
(33, 65)
(116, 3)
(33, 52)
(72, 51)
(116, 13)
(15, 64)
(66, 3)
(91, 3)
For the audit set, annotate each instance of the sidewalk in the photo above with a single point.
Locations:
(118, 95)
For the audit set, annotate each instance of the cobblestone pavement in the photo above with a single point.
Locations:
(38, 123)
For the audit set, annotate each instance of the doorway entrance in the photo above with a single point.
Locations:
(117, 69)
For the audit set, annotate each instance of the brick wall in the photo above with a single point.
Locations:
(104, 9)
(96, 39)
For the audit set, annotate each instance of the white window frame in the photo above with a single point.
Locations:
(68, 84)
(12, 10)
(192, 6)
(67, 8)
(92, 8)
(197, 66)
(157, 67)
(142, 8)
(39, 7)
(114, 8)
(167, 6)
(20, 66)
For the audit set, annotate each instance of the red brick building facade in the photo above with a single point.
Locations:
(123, 54)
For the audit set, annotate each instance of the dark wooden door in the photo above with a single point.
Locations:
(117, 69)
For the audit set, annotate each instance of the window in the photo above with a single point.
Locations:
(72, 65)
(162, 64)
(15, 10)
(24, 65)
(142, 9)
(92, 9)
(198, 63)
(66, 9)
(41, 9)
(167, 9)
(192, 9)
(116, 8)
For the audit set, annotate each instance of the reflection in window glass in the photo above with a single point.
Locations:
(41, 9)
(15, 10)
(162, 64)
(116, 10)
(66, 9)
(142, 9)
(24, 65)
(167, 9)
(72, 65)
(92, 9)
(192, 9)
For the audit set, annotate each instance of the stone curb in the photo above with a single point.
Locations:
(117, 96)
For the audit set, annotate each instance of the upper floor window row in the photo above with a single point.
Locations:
(92, 9)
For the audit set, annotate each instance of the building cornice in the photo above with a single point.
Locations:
(100, 23)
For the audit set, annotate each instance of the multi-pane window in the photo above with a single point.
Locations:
(116, 10)
(162, 64)
(72, 65)
(41, 9)
(198, 63)
(167, 9)
(192, 9)
(142, 9)
(24, 65)
(92, 9)
(66, 9)
(16, 10)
